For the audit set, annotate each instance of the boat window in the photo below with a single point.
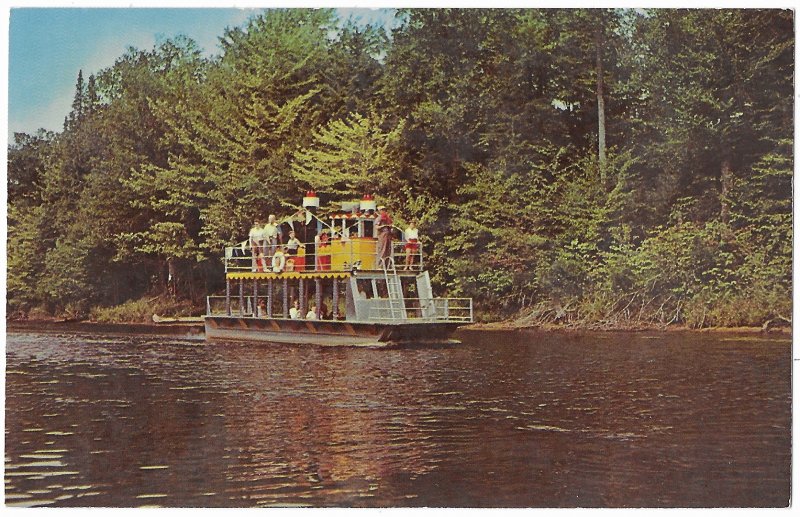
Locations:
(380, 288)
(365, 288)
(409, 284)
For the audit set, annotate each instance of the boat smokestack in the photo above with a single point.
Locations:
(368, 204)
(311, 201)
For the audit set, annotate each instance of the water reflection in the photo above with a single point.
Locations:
(518, 419)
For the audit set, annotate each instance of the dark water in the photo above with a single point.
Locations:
(502, 420)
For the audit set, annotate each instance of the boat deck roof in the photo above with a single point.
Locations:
(249, 275)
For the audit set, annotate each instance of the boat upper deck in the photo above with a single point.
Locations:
(336, 258)
(375, 271)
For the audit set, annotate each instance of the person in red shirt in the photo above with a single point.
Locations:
(384, 236)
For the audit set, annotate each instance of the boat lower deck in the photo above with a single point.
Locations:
(327, 332)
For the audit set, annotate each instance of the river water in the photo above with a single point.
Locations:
(515, 419)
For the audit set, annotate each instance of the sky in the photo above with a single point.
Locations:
(48, 46)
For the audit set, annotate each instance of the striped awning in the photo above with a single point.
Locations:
(248, 275)
(350, 215)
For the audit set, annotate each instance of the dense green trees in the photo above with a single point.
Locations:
(594, 167)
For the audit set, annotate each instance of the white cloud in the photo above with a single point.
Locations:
(49, 116)
(108, 51)
(49, 113)
(208, 38)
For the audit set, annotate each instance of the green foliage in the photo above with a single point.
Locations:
(142, 310)
(480, 124)
(352, 155)
(494, 229)
(65, 278)
(27, 160)
(25, 257)
(692, 274)
(238, 130)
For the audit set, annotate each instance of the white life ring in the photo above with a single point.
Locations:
(278, 262)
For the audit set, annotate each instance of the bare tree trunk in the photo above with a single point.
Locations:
(158, 277)
(192, 283)
(726, 181)
(172, 278)
(601, 105)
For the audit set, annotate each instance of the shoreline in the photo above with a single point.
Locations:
(196, 329)
(189, 330)
(511, 326)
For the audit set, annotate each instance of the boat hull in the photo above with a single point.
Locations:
(325, 332)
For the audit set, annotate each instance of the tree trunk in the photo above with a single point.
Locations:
(172, 277)
(726, 183)
(192, 287)
(601, 105)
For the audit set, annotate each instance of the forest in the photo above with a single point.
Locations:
(592, 168)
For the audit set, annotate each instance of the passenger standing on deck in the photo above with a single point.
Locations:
(322, 261)
(412, 243)
(257, 246)
(293, 244)
(271, 238)
(384, 236)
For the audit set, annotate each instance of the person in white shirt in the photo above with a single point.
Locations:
(312, 313)
(293, 244)
(294, 312)
(271, 238)
(412, 243)
(278, 260)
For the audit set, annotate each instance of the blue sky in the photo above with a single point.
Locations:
(47, 47)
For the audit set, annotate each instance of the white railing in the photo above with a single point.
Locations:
(457, 310)
(337, 255)
(243, 307)
(215, 305)
(417, 310)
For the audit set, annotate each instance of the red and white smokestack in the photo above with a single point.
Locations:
(311, 201)
(367, 203)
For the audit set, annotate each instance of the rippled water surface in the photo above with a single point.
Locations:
(503, 419)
